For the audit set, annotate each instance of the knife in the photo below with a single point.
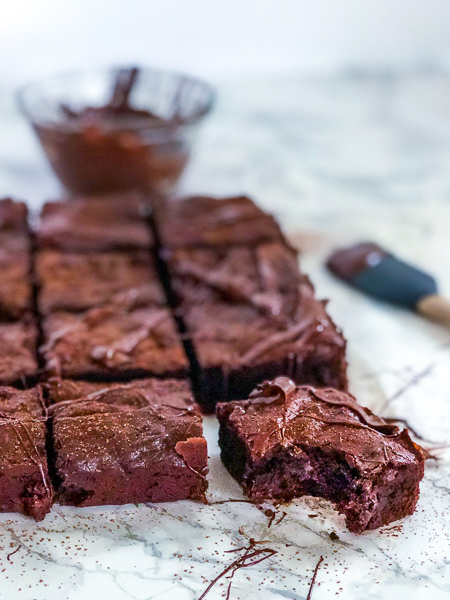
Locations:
(378, 273)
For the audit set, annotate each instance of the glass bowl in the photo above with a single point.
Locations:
(95, 150)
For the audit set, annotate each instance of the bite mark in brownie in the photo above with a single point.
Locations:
(95, 224)
(25, 486)
(113, 342)
(207, 221)
(250, 315)
(76, 282)
(129, 443)
(287, 441)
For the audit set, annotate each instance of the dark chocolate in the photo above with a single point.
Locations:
(130, 443)
(117, 222)
(25, 486)
(250, 314)
(76, 282)
(114, 341)
(18, 340)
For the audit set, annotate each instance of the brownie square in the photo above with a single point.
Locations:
(15, 288)
(25, 486)
(13, 215)
(130, 443)
(286, 441)
(18, 342)
(113, 342)
(206, 221)
(27, 403)
(76, 282)
(13, 226)
(95, 225)
(67, 390)
(251, 315)
(63, 390)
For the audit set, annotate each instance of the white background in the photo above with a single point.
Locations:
(221, 39)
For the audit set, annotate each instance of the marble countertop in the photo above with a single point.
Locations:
(338, 160)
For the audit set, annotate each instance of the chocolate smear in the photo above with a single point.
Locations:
(250, 557)
(313, 580)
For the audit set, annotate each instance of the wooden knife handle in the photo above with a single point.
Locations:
(436, 308)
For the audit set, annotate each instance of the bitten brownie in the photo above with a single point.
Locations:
(129, 443)
(116, 341)
(287, 441)
(95, 224)
(206, 221)
(24, 483)
(76, 282)
(251, 315)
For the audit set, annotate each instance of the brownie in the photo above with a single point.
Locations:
(62, 390)
(250, 314)
(24, 482)
(14, 237)
(65, 390)
(130, 443)
(206, 221)
(18, 341)
(95, 225)
(286, 441)
(13, 216)
(113, 342)
(76, 282)
(15, 288)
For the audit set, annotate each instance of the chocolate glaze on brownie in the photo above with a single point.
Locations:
(76, 282)
(113, 342)
(23, 403)
(251, 315)
(24, 482)
(287, 441)
(172, 391)
(95, 224)
(206, 221)
(138, 442)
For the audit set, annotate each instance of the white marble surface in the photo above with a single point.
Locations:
(338, 160)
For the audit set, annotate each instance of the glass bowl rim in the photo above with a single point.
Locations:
(24, 91)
